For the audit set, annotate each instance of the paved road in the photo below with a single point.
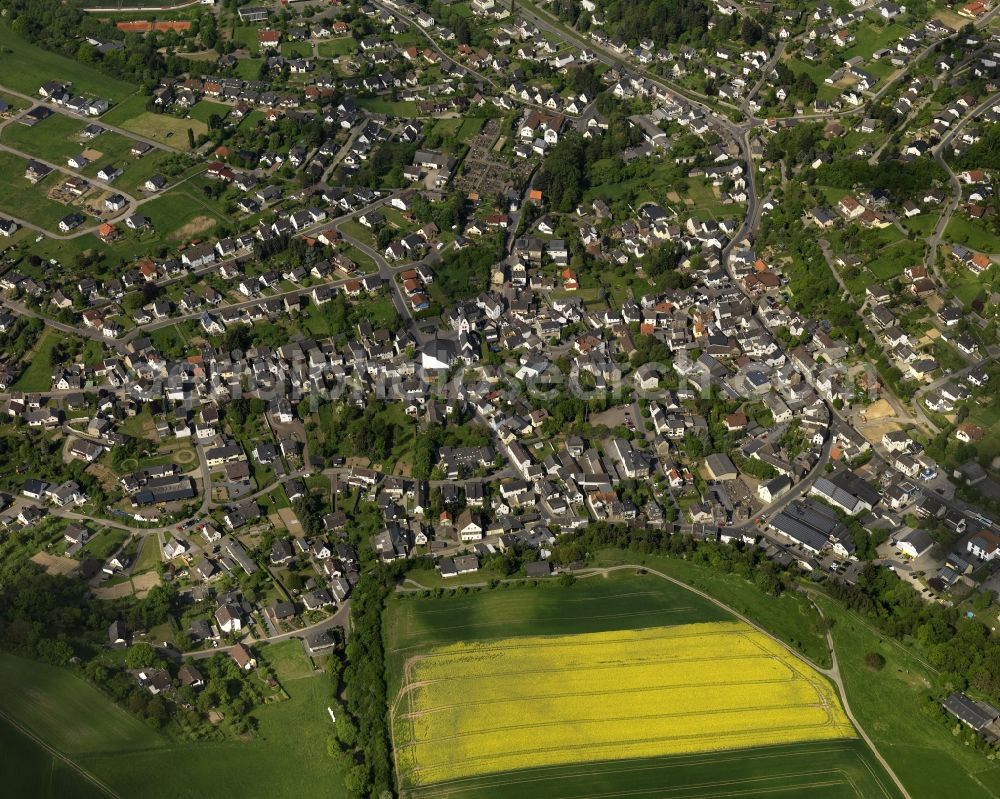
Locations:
(127, 133)
(342, 619)
(934, 240)
(63, 169)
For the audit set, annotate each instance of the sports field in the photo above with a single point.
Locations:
(615, 686)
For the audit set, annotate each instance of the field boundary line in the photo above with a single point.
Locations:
(653, 740)
(91, 778)
(600, 767)
(570, 618)
(833, 672)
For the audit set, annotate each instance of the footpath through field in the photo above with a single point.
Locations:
(833, 672)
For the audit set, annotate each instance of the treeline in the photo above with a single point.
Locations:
(27, 450)
(55, 618)
(371, 433)
(385, 166)
(570, 167)
(901, 180)
(425, 449)
(663, 21)
(815, 290)
(961, 648)
(365, 686)
(749, 563)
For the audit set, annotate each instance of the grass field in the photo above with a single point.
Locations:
(461, 129)
(539, 701)
(888, 705)
(24, 67)
(136, 761)
(164, 128)
(14, 103)
(543, 631)
(55, 139)
(139, 170)
(26, 201)
(334, 48)
(37, 375)
(824, 770)
(393, 108)
(27, 770)
(204, 110)
(296, 49)
(183, 213)
(972, 233)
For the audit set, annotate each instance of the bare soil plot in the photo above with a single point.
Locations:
(54, 564)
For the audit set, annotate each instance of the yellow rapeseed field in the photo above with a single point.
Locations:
(470, 709)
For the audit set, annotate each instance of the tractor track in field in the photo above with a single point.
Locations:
(832, 673)
(92, 779)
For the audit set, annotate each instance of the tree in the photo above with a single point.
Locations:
(874, 661)
(190, 138)
(141, 655)
(356, 781)
(347, 732)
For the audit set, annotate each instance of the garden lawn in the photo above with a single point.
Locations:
(138, 171)
(893, 259)
(203, 111)
(183, 214)
(114, 147)
(394, 108)
(296, 49)
(149, 555)
(920, 225)
(972, 233)
(37, 375)
(334, 48)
